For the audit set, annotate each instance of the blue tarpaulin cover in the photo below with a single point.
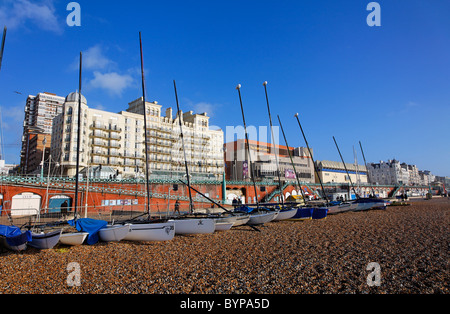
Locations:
(304, 213)
(89, 225)
(244, 209)
(320, 213)
(14, 236)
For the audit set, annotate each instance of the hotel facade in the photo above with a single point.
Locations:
(117, 141)
(264, 166)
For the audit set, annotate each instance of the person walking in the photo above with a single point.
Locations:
(177, 207)
(64, 209)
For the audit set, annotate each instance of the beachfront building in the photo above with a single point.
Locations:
(426, 177)
(263, 157)
(40, 110)
(335, 172)
(393, 172)
(117, 141)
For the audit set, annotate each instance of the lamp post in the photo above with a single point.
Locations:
(44, 142)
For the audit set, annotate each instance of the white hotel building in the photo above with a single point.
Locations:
(117, 140)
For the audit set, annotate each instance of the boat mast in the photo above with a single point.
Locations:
(191, 204)
(145, 127)
(3, 46)
(273, 142)
(368, 177)
(312, 159)
(292, 161)
(78, 139)
(345, 167)
(248, 145)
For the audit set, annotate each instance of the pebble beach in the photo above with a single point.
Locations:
(410, 244)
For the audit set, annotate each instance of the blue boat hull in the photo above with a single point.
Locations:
(13, 238)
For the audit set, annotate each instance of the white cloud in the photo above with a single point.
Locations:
(113, 82)
(202, 107)
(17, 13)
(94, 58)
(12, 117)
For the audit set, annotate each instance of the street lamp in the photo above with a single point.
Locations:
(44, 142)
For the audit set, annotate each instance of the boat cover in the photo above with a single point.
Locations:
(244, 209)
(304, 213)
(14, 236)
(89, 225)
(319, 213)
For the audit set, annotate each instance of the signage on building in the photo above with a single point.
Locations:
(289, 174)
(245, 169)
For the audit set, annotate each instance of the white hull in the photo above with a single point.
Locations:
(241, 220)
(194, 226)
(45, 241)
(259, 219)
(229, 219)
(151, 232)
(286, 214)
(114, 233)
(345, 207)
(76, 238)
(224, 226)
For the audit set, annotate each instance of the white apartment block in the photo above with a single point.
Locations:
(40, 110)
(393, 172)
(117, 140)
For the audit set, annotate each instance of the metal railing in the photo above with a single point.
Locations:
(109, 213)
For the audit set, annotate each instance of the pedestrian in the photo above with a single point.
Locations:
(64, 209)
(177, 207)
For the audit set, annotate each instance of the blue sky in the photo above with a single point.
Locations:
(387, 86)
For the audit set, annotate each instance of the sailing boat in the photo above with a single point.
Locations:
(76, 238)
(303, 211)
(12, 238)
(148, 229)
(285, 212)
(258, 215)
(185, 225)
(361, 203)
(227, 219)
(319, 212)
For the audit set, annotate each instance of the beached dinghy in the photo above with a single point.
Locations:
(261, 218)
(285, 214)
(45, 241)
(223, 226)
(148, 231)
(237, 219)
(369, 203)
(12, 238)
(303, 213)
(114, 233)
(342, 207)
(185, 226)
(319, 213)
(73, 238)
(256, 216)
(241, 220)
